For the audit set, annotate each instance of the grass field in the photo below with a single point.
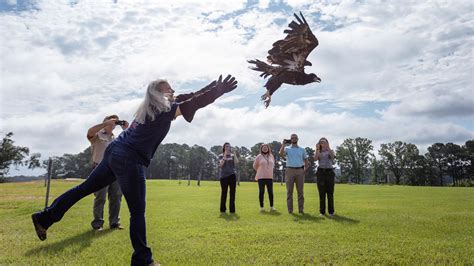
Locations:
(373, 225)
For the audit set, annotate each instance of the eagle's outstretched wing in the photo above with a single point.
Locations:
(293, 51)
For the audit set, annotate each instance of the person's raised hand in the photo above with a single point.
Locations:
(126, 125)
(110, 122)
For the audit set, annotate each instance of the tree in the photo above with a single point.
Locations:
(56, 166)
(311, 173)
(244, 169)
(15, 155)
(199, 162)
(280, 164)
(377, 171)
(400, 158)
(457, 159)
(71, 165)
(171, 161)
(255, 149)
(436, 157)
(469, 168)
(353, 155)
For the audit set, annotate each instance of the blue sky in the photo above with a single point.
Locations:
(390, 70)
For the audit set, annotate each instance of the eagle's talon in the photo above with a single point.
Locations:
(267, 100)
(266, 103)
(266, 96)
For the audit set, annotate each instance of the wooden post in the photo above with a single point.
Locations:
(48, 179)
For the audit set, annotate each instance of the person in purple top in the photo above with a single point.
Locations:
(325, 176)
(127, 156)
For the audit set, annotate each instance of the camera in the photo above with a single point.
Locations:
(287, 141)
(120, 122)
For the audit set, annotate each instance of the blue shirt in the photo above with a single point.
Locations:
(144, 139)
(295, 156)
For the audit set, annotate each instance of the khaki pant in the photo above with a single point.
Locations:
(294, 176)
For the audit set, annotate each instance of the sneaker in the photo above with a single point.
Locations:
(262, 209)
(331, 215)
(117, 226)
(321, 215)
(272, 208)
(98, 229)
(40, 231)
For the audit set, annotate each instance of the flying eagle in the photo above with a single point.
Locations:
(287, 59)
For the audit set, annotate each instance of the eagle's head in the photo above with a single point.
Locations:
(314, 78)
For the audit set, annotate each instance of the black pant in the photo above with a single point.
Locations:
(261, 190)
(228, 182)
(326, 187)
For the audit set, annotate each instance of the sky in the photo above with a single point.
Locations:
(390, 70)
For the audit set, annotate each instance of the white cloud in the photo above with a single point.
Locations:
(64, 67)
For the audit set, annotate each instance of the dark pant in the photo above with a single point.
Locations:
(228, 182)
(115, 199)
(118, 164)
(261, 190)
(326, 188)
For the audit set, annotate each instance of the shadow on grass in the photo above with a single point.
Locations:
(343, 219)
(306, 217)
(82, 241)
(229, 216)
(271, 213)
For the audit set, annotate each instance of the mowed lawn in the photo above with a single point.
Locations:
(373, 225)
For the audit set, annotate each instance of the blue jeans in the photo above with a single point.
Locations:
(119, 164)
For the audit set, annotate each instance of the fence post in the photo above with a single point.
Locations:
(48, 181)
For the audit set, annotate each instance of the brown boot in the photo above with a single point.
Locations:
(40, 231)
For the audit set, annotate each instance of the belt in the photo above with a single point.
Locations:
(301, 167)
(326, 169)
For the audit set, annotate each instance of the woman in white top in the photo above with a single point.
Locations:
(264, 164)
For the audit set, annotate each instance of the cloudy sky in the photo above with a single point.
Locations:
(391, 70)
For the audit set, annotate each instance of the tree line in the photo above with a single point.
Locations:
(357, 162)
(401, 163)
(13, 155)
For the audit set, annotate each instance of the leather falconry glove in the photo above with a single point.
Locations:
(188, 108)
(187, 96)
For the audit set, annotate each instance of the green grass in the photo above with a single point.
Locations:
(374, 225)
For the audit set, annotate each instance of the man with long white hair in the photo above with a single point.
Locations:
(125, 158)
